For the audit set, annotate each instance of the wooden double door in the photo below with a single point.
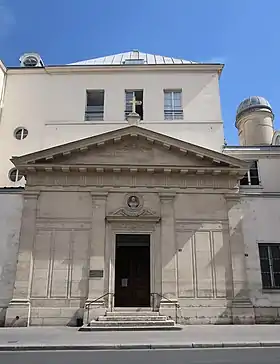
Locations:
(132, 270)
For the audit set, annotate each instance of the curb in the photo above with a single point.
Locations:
(253, 344)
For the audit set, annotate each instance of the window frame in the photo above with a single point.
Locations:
(173, 113)
(270, 263)
(88, 113)
(18, 173)
(126, 111)
(23, 133)
(249, 177)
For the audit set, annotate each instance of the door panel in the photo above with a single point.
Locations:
(132, 276)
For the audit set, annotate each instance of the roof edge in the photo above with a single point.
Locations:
(61, 69)
(3, 67)
(100, 139)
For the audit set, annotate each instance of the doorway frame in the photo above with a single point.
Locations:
(150, 265)
(114, 228)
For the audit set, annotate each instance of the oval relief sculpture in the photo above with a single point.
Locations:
(133, 202)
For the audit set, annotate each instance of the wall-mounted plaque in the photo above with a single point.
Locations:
(95, 273)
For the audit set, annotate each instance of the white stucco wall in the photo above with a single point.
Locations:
(268, 166)
(261, 224)
(10, 222)
(261, 218)
(52, 108)
(269, 172)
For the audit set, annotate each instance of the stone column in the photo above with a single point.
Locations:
(168, 255)
(242, 308)
(97, 248)
(20, 304)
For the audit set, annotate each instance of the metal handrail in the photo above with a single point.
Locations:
(87, 305)
(167, 299)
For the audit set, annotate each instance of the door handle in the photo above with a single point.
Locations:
(124, 282)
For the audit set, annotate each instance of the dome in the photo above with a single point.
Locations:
(253, 102)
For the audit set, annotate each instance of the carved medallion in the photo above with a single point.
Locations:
(133, 202)
(133, 208)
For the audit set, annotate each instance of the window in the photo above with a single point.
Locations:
(251, 178)
(15, 175)
(270, 265)
(20, 133)
(30, 61)
(95, 105)
(130, 95)
(173, 105)
(134, 61)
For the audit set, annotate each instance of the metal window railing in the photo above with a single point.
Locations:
(94, 113)
(173, 114)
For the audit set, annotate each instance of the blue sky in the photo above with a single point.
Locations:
(243, 34)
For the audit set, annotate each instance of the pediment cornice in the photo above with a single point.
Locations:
(59, 157)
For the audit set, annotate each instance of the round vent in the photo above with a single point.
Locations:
(30, 61)
(15, 175)
(20, 133)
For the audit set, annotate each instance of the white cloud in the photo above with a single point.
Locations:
(7, 20)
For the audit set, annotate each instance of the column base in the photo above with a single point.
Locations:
(169, 308)
(93, 310)
(18, 313)
(242, 311)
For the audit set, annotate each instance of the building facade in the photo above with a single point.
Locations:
(122, 194)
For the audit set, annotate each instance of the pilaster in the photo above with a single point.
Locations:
(18, 312)
(168, 251)
(97, 246)
(26, 241)
(241, 305)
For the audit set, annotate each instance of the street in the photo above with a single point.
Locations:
(187, 356)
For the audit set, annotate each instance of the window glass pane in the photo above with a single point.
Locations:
(173, 105)
(177, 95)
(265, 265)
(275, 255)
(270, 265)
(265, 268)
(95, 105)
(254, 176)
(177, 104)
(266, 280)
(276, 280)
(168, 104)
(275, 251)
(263, 249)
(128, 98)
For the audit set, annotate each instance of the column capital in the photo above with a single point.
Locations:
(99, 195)
(232, 197)
(167, 196)
(31, 194)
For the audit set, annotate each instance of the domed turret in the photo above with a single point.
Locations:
(254, 121)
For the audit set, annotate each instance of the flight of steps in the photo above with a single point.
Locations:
(133, 320)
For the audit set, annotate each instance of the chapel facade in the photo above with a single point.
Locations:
(119, 193)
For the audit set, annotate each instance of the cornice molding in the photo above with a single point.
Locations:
(65, 69)
(115, 168)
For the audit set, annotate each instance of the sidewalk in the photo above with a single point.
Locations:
(66, 338)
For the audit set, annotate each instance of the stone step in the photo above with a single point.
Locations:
(133, 309)
(130, 328)
(132, 318)
(131, 323)
(132, 313)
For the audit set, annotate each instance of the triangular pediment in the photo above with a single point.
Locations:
(130, 146)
